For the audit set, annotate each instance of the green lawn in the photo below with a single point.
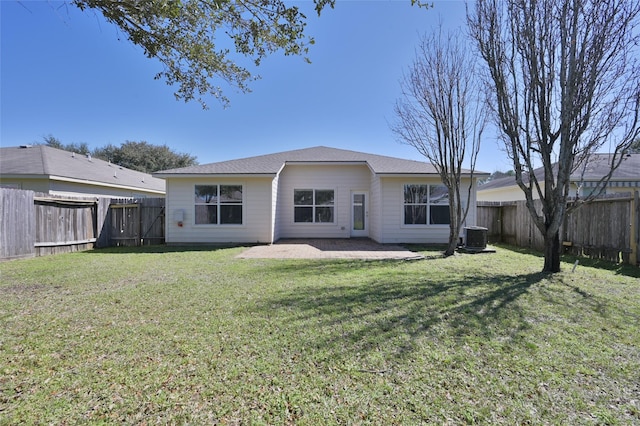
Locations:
(161, 335)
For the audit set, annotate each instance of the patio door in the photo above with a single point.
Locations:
(359, 214)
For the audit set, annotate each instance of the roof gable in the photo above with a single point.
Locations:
(273, 163)
(45, 161)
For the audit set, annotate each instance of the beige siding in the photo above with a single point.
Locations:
(36, 185)
(514, 193)
(268, 212)
(275, 229)
(257, 212)
(508, 193)
(95, 190)
(620, 190)
(341, 178)
(472, 216)
(375, 209)
(393, 228)
(72, 189)
(511, 193)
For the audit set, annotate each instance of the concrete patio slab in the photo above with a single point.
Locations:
(355, 248)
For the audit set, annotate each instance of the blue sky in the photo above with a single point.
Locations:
(73, 75)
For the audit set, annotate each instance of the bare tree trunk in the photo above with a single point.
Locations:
(453, 242)
(455, 219)
(565, 83)
(552, 252)
(442, 116)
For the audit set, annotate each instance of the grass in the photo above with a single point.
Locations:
(160, 335)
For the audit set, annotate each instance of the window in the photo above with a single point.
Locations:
(218, 204)
(426, 204)
(438, 205)
(313, 205)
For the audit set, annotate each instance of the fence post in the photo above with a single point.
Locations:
(17, 224)
(138, 234)
(634, 233)
(500, 230)
(102, 222)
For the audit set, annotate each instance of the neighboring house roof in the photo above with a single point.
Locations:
(271, 164)
(597, 166)
(41, 161)
(507, 181)
(600, 164)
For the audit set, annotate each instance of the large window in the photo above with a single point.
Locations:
(218, 204)
(313, 205)
(426, 205)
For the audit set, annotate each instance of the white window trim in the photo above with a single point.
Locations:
(335, 208)
(402, 204)
(217, 225)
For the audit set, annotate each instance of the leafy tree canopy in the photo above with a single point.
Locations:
(141, 156)
(498, 175)
(183, 36)
(80, 148)
(144, 157)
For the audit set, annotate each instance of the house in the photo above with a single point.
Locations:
(53, 171)
(626, 178)
(316, 192)
(506, 188)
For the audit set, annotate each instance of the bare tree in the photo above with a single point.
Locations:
(565, 81)
(440, 115)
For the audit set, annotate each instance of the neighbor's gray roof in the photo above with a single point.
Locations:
(507, 181)
(600, 164)
(597, 166)
(271, 164)
(44, 161)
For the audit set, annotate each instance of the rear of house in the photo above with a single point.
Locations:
(309, 193)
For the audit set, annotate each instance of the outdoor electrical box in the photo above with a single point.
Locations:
(178, 217)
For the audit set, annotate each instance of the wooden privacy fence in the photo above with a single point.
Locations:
(34, 224)
(66, 224)
(606, 228)
(17, 224)
(136, 222)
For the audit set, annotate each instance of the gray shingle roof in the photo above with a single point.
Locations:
(272, 163)
(511, 180)
(597, 166)
(42, 160)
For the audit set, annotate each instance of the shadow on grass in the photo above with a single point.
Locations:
(520, 250)
(163, 248)
(566, 300)
(396, 312)
(618, 268)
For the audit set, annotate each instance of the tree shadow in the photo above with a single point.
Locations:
(393, 313)
(618, 268)
(591, 304)
(159, 248)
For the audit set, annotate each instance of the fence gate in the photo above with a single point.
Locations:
(136, 223)
(125, 224)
